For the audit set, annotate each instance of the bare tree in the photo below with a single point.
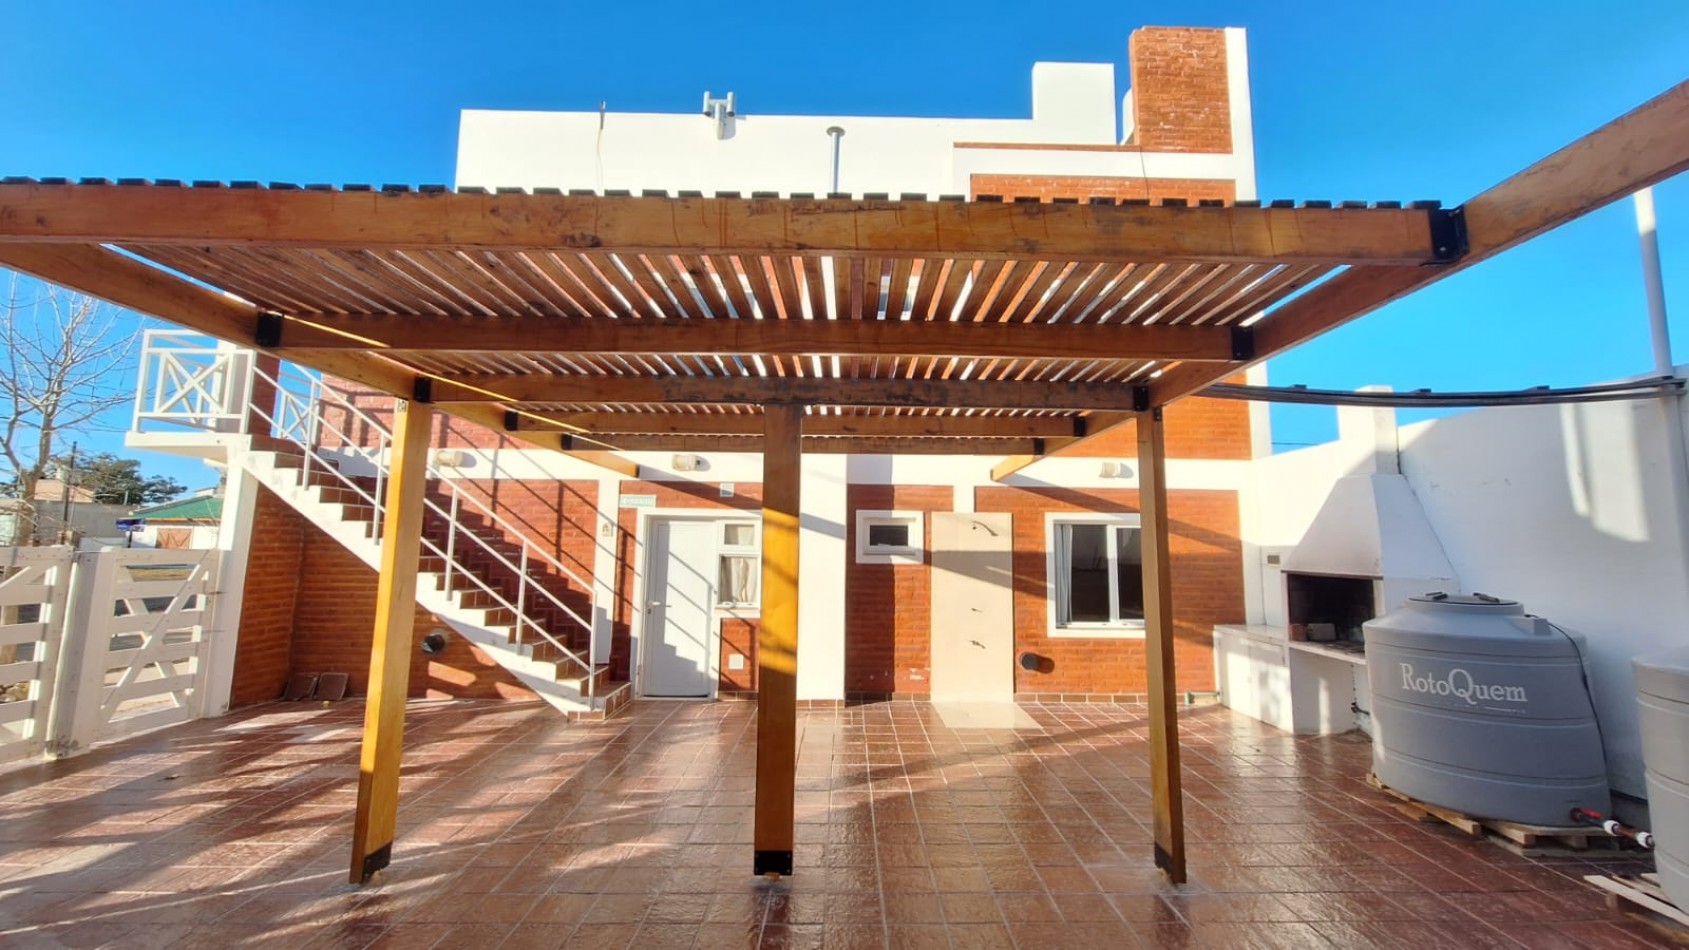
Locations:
(65, 355)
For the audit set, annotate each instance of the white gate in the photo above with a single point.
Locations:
(136, 648)
(33, 584)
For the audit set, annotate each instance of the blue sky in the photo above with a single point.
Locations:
(1352, 100)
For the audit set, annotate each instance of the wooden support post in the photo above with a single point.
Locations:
(777, 641)
(1166, 796)
(390, 654)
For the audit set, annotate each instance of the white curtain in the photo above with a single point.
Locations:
(738, 580)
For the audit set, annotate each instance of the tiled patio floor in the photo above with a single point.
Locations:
(519, 831)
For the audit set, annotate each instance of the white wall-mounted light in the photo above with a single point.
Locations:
(689, 463)
(1112, 469)
(452, 458)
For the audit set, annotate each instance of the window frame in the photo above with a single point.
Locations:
(1113, 629)
(912, 553)
(723, 550)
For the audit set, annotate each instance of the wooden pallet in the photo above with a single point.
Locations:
(1526, 836)
(1641, 893)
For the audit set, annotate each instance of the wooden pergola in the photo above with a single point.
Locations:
(597, 324)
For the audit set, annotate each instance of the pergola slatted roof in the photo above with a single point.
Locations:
(541, 304)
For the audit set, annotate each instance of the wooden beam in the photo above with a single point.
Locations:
(377, 815)
(142, 215)
(758, 390)
(1166, 794)
(599, 424)
(527, 334)
(1638, 149)
(812, 445)
(1097, 424)
(777, 643)
(133, 285)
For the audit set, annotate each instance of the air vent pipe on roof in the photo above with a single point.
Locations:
(838, 136)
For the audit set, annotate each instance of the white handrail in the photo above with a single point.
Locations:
(296, 420)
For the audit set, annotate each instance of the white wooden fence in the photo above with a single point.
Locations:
(97, 646)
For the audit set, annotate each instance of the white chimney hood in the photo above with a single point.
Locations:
(1372, 524)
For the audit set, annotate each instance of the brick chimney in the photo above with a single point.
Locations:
(1179, 90)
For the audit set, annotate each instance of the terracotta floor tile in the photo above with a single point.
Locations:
(518, 827)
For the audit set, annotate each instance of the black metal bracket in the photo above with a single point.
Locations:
(1243, 344)
(566, 442)
(1140, 398)
(1081, 427)
(772, 862)
(510, 420)
(376, 860)
(422, 390)
(1448, 234)
(268, 331)
(1037, 446)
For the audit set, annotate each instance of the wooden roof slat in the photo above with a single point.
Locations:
(929, 282)
(897, 290)
(1178, 298)
(609, 270)
(1291, 280)
(815, 288)
(729, 272)
(588, 277)
(839, 268)
(1013, 283)
(695, 269)
(678, 288)
(519, 267)
(1033, 296)
(761, 292)
(791, 305)
(600, 303)
(656, 298)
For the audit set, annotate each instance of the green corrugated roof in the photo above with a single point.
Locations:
(201, 508)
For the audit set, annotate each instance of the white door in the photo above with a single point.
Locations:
(679, 596)
(973, 607)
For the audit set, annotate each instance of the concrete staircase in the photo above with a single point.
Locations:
(529, 628)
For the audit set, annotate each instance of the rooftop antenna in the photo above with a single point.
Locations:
(720, 110)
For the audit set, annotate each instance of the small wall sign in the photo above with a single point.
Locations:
(639, 501)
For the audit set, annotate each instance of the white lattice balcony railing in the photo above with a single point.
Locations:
(192, 382)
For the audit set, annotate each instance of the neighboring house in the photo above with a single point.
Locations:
(55, 522)
(185, 523)
(886, 607)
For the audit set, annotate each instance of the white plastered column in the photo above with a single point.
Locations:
(821, 578)
(234, 541)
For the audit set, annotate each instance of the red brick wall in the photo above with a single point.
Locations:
(1207, 588)
(1196, 428)
(262, 650)
(888, 607)
(1180, 99)
(703, 495)
(738, 636)
(1082, 187)
(310, 608)
(334, 628)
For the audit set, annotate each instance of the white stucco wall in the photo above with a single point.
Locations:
(1072, 104)
(1569, 510)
